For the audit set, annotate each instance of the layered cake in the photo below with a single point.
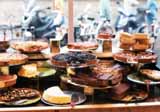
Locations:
(136, 42)
(75, 59)
(56, 95)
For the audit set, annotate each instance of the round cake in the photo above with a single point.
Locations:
(12, 59)
(74, 59)
(30, 46)
(7, 80)
(133, 57)
(83, 45)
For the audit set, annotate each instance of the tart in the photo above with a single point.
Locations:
(74, 59)
(151, 74)
(16, 94)
(30, 46)
(83, 45)
(7, 80)
(132, 57)
(12, 59)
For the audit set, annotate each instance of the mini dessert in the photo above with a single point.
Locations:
(12, 58)
(29, 71)
(30, 46)
(74, 59)
(83, 45)
(55, 95)
(16, 94)
(151, 74)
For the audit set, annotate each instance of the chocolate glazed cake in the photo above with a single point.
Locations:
(74, 59)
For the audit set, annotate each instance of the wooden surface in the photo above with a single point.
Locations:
(132, 107)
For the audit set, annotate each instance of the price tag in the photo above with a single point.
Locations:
(88, 90)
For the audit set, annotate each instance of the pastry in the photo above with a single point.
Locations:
(12, 58)
(140, 36)
(83, 45)
(29, 46)
(126, 38)
(7, 80)
(105, 36)
(56, 95)
(75, 59)
(29, 71)
(152, 74)
(16, 94)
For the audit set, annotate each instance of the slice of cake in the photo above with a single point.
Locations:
(56, 95)
(29, 71)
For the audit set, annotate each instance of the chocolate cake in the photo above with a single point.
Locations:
(75, 59)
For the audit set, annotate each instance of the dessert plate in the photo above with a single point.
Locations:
(76, 99)
(141, 80)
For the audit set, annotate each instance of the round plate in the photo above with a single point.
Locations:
(141, 80)
(66, 79)
(133, 96)
(76, 98)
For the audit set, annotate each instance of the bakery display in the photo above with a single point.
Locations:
(82, 46)
(28, 71)
(12, 59)
(29, 46)
(133, 57)
(56, 95)
(7, 80)
(135, 42)
(74, 59)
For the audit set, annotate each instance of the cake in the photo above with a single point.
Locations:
(56, 95)
(104, 74)
(105, 36)
(83, 45)
(151, 74)
(135, 42)
(74, 59)
(29, 71)
(119, 91)
(7, 80)
(30, 46)
(126, 38)
(18, 94)
(133, 57)
(12, 58)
